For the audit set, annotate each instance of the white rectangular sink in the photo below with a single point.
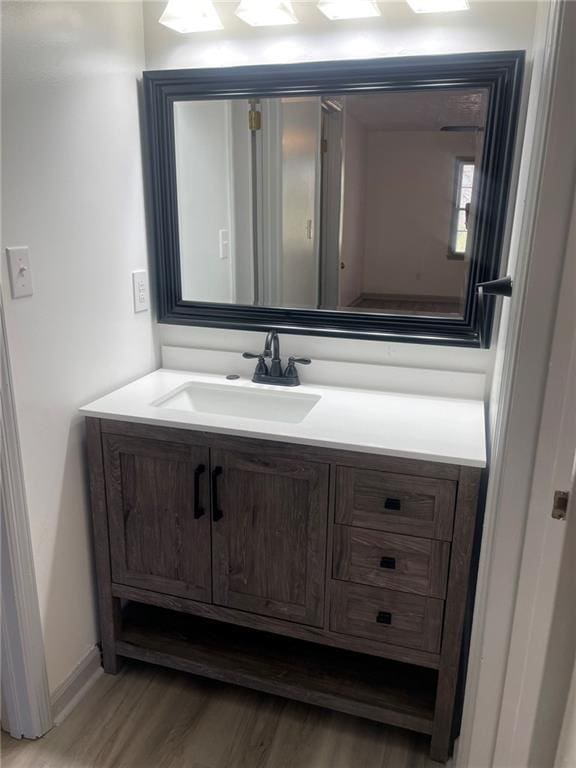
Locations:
(240, 401)
(389, 423)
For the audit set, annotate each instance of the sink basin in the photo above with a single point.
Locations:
(242, 402)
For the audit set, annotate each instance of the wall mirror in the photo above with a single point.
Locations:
(363, 199)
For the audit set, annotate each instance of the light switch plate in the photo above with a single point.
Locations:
(140, 290)
(20, 272)
(224, 243)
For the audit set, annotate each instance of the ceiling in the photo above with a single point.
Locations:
(419, 110)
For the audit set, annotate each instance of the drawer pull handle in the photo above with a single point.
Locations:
(392, 504)
(217, 513)
(198, 508)
(384, 617)
(388, 562)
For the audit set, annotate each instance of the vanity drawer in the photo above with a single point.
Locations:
(418, 506)
(398, 618)
(391, 560)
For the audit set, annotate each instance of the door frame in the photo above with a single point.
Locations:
(330, 205)
(26, 707)
(542, 646)
(494, 694)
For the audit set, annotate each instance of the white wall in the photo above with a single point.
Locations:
(204, 167)
(408, 214)
(72, 192)
(487, 26)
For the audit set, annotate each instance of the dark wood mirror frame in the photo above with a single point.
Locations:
(500, 73)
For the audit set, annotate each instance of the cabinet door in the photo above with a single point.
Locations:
(269, 534)
(159, 515)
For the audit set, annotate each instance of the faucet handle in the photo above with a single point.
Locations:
(291, 372)
(261, 367)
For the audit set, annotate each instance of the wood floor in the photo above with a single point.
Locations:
(148, 717)
(408, 305)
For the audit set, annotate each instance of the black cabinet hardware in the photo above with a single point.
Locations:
(392, 504)
(198, 508)
(384, 617)
(388, 562)
(217, 513)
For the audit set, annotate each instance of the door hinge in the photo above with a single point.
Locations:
(254, 120)
(324, 146)
(560, 507)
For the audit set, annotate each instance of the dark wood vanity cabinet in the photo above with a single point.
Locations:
(269, 523)
(158, 515)
(334, 578)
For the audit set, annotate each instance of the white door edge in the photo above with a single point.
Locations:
(26, 708)
(524, 354)
(544, 544)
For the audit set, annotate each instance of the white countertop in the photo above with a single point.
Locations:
(415, 426)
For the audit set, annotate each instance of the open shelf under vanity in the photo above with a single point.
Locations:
(378, 689)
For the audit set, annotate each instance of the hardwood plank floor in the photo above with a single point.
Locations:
(408, 305)
(148, 717)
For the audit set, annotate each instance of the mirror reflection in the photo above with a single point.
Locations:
(363, 202)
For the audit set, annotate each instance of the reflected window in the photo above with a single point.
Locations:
(462, 202)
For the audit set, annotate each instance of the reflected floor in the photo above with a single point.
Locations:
(408, 305)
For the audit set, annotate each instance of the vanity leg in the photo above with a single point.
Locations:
(109, 628)
(442, 742)
(454, 619)
(109, 607)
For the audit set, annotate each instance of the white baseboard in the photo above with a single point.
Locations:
(69, 693)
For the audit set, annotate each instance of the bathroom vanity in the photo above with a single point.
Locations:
(322, 552)
(314, 541)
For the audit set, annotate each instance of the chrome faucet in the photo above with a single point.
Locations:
(275, 374)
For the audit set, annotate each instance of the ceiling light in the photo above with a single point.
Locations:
(190, 16)
(438, 6)
(266, 13)
(348, 9)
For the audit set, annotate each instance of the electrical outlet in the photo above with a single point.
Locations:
(140, 290)
(20, 272)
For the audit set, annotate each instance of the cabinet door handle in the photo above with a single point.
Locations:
(392, 504)
(384, 617)
(388, 562)
(217, 513)
(198, 508)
